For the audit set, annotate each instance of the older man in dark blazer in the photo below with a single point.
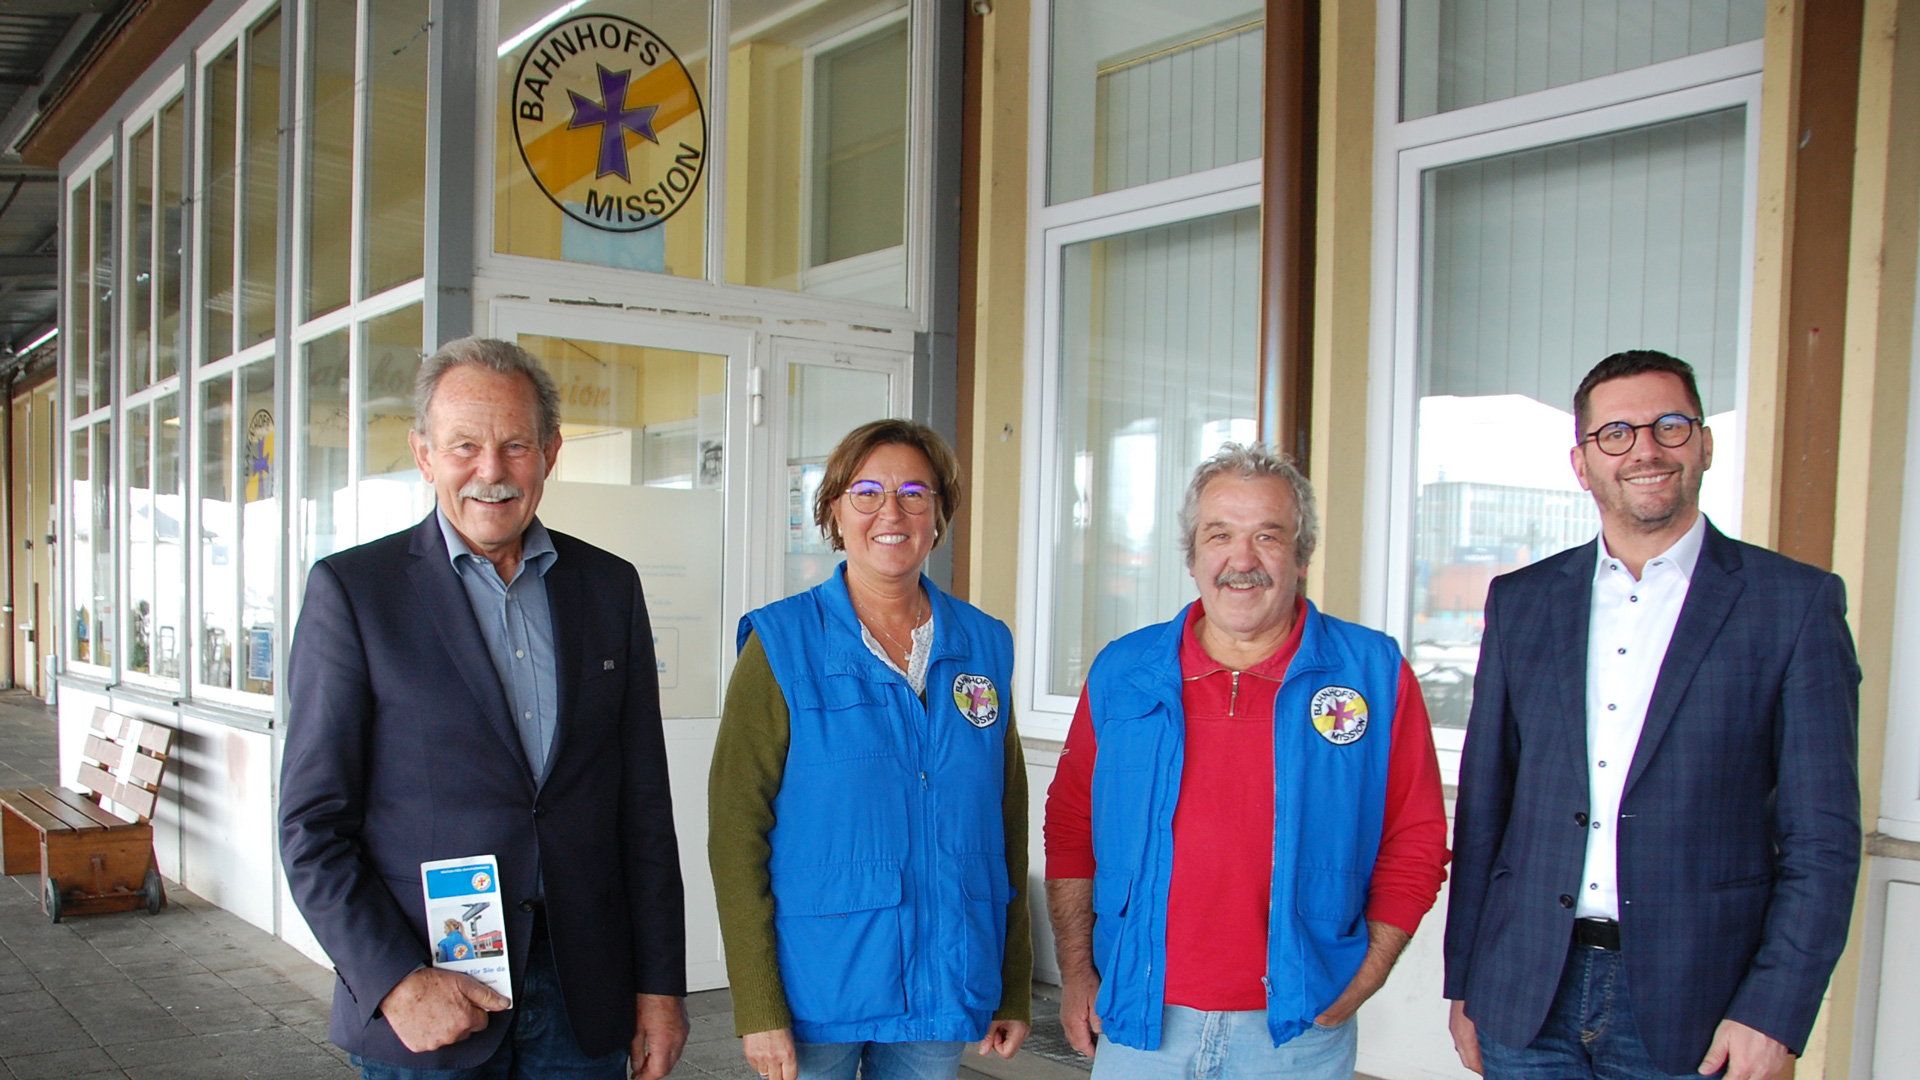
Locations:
(1658, 829)
(480, 686)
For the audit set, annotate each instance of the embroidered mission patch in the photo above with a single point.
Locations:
(1339, 714)
(976, 699)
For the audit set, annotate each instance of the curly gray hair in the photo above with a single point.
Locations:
(495, 355)
(1247, 462)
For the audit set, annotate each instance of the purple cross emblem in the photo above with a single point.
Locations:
(615, 120)
(1342, 713)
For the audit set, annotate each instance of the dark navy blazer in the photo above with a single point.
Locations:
(1739, 837)
(400, 750)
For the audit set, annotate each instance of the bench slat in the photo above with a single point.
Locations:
(147, 770)
(156, 739)
(98, 814)
(95, 779)
(104, 752)
(72, 818)
(21, 802)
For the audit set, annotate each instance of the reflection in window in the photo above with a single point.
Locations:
(1158, 364)
(396, 178)
(326, 519)
(327, 134)
(1457, 53)
(259, 527)
(260, 202)
(823, 404)
(219, 534)
(103, 282)
(626, 412)
(221, 93)
(139, 262)
(1150, 91)
(819, 97)
(79, 311)
(156, 517)
(393, 495)
(1537, 265)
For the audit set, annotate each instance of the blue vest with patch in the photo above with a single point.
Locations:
(1332, 730)
(889, 861)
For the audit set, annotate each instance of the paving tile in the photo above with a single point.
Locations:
(27, 1001)
(60, 1063)
(41, 1033)
(282, 992)
(203, 1069)
(201, 989)
(304, 1011)
(162, 969)
(19, 983)
(249, 1017)
(118, 1032)
(243, 977)
(709, 1003)
(183, 1047)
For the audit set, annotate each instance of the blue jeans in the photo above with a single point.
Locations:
(1197, 1045)
(878, 1060)
(539, 1044)
(1589, 1033)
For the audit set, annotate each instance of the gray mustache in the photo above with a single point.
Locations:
(1240, 579)
(476, 489)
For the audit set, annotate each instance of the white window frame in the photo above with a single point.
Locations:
(712, 295)
(104, 154)
(1224, 189)
(228, 367)
(1899, 810)
(173, 87)
(1403, 151)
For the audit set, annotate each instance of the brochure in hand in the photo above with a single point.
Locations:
(465, 923)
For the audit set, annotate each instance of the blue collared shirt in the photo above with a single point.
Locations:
(517, 626)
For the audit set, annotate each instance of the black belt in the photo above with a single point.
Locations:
(1597, 934)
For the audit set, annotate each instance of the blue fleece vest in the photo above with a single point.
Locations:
(889, 861)
(1332, 729)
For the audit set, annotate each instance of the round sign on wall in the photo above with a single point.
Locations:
(609, 123)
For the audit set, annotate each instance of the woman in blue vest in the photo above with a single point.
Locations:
(868, 801)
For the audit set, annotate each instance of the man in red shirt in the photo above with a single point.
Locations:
(1247, 823)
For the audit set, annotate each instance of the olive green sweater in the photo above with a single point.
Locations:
(749, 762)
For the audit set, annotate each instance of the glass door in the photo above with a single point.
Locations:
(652, 467)
(828, 391)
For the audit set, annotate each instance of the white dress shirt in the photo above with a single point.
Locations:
(1631, 625)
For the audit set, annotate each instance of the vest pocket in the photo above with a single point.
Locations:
(1331, 896)
(986, 891)
(837, 932)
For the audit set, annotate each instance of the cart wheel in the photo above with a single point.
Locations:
(153, 892)
(53, 900)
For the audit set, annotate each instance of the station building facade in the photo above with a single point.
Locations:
(1088, 239)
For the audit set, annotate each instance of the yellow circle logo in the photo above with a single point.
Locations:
(609, 123)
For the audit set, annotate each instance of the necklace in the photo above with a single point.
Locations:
(874, 621)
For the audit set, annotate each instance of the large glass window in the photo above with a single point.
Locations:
(396, 175)
(92, 303)
(819, 99)
(1158, 361)
(601, 134)
(156, 557)
(1457, 53)
(220, 96)
(260, 200)
(1148, 91)
(393, 494)
(328, 154)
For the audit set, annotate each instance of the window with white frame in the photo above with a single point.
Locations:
(1143, 318)
(1559, 189)
(92, 624)
(152, 272)
(237, 511)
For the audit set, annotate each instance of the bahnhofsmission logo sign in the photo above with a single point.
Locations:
(609, 123)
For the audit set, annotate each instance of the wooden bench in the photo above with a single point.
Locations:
(89, 858)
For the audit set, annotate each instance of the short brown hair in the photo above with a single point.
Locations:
(860, 443)
(1623, 365)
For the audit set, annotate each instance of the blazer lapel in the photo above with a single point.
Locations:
(1566, 626)
(566, 600)
(452, 618)
(1710, 599)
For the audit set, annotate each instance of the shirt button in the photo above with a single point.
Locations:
(1603, 764)
(530, 716)
(520, 654)
(1613, 708)
(1593, 886)
(1620, 652)
(1633, 599)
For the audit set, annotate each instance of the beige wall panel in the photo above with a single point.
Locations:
(1342, 283)
(999, 359)
(1874, 421)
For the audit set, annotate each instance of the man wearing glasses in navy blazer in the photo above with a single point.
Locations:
(1658, 828)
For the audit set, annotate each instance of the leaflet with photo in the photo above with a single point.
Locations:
(465, 923)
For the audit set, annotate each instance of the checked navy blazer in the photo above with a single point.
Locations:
(1739, 835)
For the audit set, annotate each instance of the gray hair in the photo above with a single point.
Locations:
(503, 357)
(1251, 462)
